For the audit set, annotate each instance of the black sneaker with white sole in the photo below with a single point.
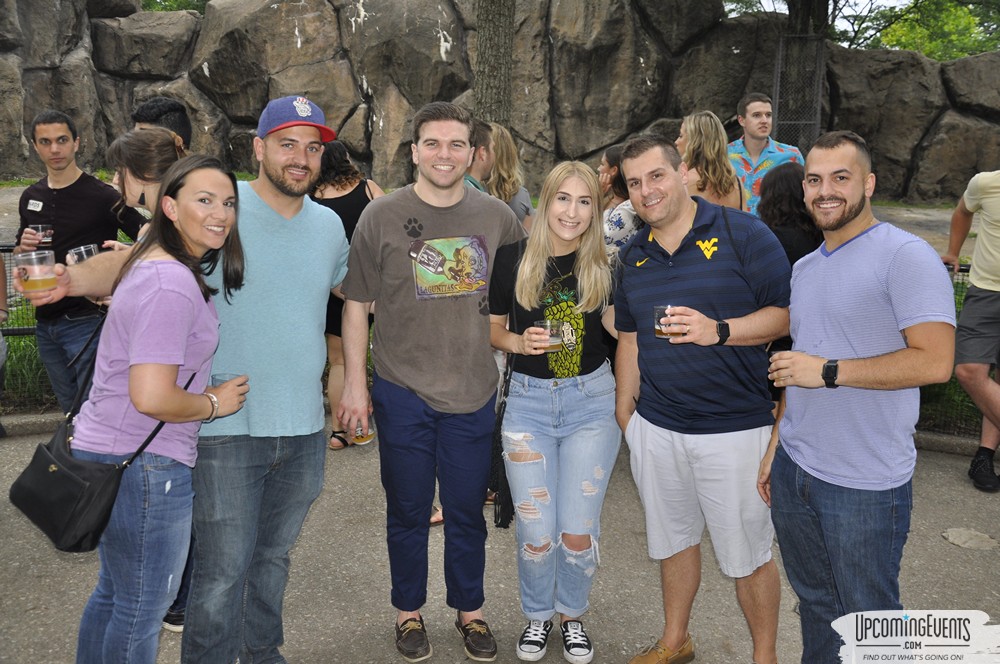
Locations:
(577, 648)
(534, 640)
(174, 621)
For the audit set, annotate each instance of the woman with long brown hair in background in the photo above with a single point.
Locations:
(702, 145)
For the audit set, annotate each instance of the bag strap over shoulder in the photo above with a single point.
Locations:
(81, 392)
(156, 430)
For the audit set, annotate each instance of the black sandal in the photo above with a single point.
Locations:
(337, 435)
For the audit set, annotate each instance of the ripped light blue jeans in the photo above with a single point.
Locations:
(560, 443)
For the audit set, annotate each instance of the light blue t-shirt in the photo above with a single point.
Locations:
(854, 303)
(272, 330)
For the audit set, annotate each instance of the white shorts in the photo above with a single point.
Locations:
(686, 481)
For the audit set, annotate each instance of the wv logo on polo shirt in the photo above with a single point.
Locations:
(708, 247)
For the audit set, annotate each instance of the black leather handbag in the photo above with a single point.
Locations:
(70, 499)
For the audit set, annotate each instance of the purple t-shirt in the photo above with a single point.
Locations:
(158, 317)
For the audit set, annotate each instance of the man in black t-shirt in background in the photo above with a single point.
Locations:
(81, 210)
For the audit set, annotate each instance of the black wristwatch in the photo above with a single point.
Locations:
(722, 329)
(830, 373)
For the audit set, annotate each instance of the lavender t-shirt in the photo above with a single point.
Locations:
(158, 316)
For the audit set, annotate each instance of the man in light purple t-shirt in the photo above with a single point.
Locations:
(872, 319)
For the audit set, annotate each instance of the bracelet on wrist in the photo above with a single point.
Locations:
(215, 407)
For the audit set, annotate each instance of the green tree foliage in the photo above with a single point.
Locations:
(940, 29)
(173, 5)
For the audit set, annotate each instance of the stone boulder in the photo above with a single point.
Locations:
(13, 144)
(391, 134)
(10, 27)
(733, 58)
(112, 8)
(418, 47)
(890, 98)
(355, 133)
(972, 84)
(146, 44)
(958, 147)
(608, 77)
(531, 115)
(240, 148)
(53, 28)
(244, 43)
(679, 23)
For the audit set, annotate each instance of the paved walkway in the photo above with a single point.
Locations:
(337, 604)
(337, 607)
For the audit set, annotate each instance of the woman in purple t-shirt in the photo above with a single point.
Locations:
(161, 330)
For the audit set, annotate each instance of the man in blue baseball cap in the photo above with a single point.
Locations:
(259, 472)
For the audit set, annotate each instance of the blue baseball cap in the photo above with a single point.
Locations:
(293, 111)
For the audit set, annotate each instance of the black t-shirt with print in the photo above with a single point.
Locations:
(583, 351)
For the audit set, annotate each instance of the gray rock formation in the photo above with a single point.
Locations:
(145, 45)
(586, 74)
(112, 8)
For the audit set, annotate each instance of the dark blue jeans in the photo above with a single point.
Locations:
(251, 497)
(59, 341)
(142, 555)
(417, 444)
(841, 550)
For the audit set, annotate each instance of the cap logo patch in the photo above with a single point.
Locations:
(302, 107)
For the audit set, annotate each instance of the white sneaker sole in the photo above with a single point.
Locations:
(530, 656)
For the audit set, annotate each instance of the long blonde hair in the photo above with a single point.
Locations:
(507, 177)
(593, 276)
(706, 153)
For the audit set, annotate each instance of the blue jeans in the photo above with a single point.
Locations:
(59, 341)
(416, 443)
(841, 550)
(251, 498)
(142, 555)
(568, 429)
(180, 601)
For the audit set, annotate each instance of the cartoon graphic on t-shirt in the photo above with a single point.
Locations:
(559, 304)
(449, 266)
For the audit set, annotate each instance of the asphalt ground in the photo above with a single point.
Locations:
(337, 605)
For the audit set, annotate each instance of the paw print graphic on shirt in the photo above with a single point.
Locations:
(484, 306)
(413, 227)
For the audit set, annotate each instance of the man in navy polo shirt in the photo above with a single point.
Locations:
(695, 407)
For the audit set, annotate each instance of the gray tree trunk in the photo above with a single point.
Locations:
(495, 28)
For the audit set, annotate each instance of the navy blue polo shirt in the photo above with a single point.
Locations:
(723, 274)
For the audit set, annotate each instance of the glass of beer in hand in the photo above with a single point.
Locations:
(554, 329)
(665, 330)
(45, 232)
(36, 269)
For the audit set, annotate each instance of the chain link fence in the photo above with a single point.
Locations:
(946, 408)
(799, 71)
(24, 385)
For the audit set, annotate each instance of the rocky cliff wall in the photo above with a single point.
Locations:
(587, 74)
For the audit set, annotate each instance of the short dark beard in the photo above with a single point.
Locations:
(276, 177)
(849, 215)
